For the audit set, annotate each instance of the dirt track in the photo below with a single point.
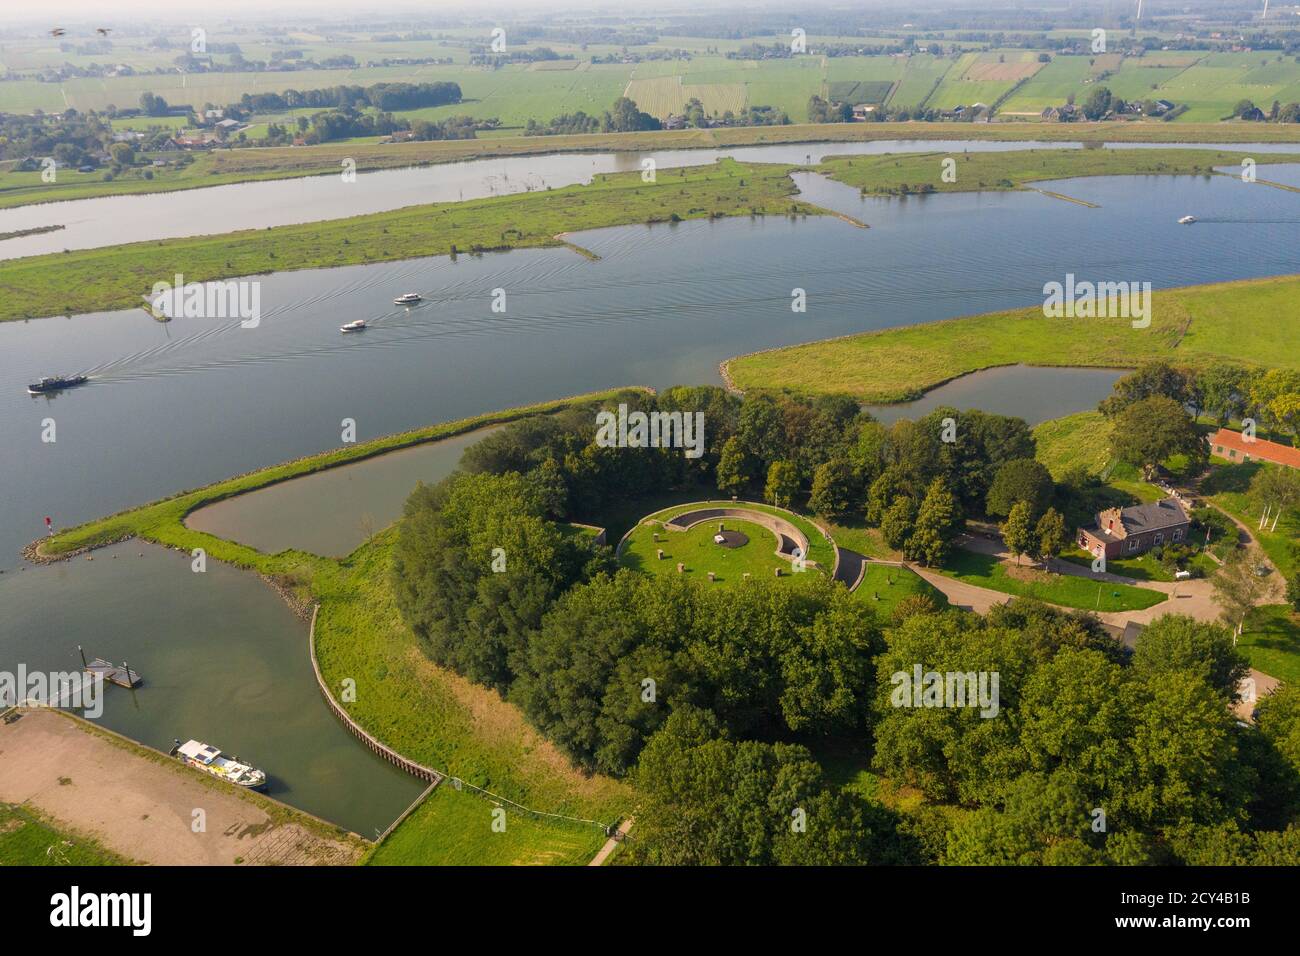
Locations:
(143, 807)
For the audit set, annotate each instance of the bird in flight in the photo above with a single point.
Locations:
(58, 32)
(103, 31)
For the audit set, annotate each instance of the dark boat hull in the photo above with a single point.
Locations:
(56, 385)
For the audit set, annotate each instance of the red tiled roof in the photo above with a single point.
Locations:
(1258, 449)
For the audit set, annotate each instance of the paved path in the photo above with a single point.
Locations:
(603, 855)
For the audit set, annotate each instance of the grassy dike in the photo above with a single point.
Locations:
(1191, 325)
(222, 167)
(424, 711)
(116, 277)
(888, 173)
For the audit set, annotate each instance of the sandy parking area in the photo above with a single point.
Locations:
(143, 806)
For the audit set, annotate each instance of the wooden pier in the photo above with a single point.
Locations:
(121, 675)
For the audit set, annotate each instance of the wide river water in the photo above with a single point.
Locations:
(111, 220)
(177, 405)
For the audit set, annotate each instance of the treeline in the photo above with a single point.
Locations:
(623, 117)
(382, 96)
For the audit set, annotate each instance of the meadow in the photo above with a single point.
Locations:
(699, 553)
(1202, 323)
(1013, 168)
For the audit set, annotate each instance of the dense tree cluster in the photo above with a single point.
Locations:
(382, 96)
(716, 701)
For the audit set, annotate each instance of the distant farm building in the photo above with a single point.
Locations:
(1233, 446)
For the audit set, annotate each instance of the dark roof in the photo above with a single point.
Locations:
(1156, 516)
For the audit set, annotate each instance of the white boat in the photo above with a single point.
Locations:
(1186, 220)
(209, 759)
(409, 298)
(356, 326)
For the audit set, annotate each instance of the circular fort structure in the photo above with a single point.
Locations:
(727, 541)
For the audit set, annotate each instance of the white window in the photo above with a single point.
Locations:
(1132, 544)
(1160, 536)
(1178, 535)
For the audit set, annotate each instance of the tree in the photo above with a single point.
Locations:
(1050, 534)
(1175, 642)
(122, 154)
(782, 483)
(1237, 588)
(938, 522)
(1097, 103)
(1276, 490)
(1018, 530)
(834, 488)
(626, 118)
(1153, 378)
(1154, 429)
(1021, 479)
(1293, 591)
(885, 490)
(898, 522)
(736, 468)
(1224, 390)
(153, 105)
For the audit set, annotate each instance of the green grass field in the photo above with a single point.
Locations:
(1227, 486)
(27, 839)
(987, 571)
(983, 78)
(820, 552)
(698, 552)
(1271, 640)
(455, 829)
(1013, 168)
(884, 586)
(1081, 440)
(1201, 322)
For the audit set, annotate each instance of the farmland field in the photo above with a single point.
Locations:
(983, 78)
(920, 74)
(1050, 86)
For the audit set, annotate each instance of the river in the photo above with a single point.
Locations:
(111, 220)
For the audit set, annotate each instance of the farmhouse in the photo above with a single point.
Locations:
(1225, 443)
(1121, 532)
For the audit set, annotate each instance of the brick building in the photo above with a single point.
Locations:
(1124, 532)
(1225, 443)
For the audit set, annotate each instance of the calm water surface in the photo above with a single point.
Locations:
(333, 512)
(1034, 394)
(89, 223)
(224, 661)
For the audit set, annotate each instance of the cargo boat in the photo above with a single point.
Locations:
(210, 760)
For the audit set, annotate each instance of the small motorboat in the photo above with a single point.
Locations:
(410, 298)
(1186, 220)
(356, 326)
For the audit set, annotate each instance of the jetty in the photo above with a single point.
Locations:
(122, 676)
